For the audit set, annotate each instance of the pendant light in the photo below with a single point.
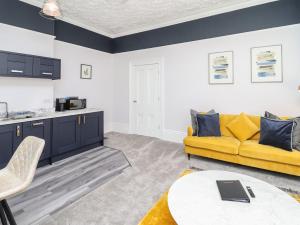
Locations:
(50, 9)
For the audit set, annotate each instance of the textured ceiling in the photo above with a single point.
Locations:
(121, 17)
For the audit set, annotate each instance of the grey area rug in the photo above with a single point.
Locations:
(156, 164)
(58, 185)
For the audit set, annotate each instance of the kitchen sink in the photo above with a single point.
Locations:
(18, 115)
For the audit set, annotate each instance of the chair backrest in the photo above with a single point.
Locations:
(24, 162)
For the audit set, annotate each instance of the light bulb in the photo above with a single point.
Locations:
(51, 8)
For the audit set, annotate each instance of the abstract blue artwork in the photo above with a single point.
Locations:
(266, 64)
(221, 68)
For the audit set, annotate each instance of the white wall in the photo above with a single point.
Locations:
(24, 93)
(186, 79)
(32, 94)
(98, 90)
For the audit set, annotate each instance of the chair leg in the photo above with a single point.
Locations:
(189, 156)
(8, 213)
(2, 216)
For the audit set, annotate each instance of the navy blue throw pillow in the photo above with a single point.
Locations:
(277, 133)
(208, 125)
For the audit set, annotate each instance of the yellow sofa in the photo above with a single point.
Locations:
(250, 152)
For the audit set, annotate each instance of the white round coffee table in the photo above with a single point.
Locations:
(195, 200)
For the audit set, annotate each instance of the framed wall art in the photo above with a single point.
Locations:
(86, 71)
(266, 64)
(220, 68)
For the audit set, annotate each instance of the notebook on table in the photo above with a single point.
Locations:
(232, 190)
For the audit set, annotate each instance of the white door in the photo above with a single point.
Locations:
(145, 99)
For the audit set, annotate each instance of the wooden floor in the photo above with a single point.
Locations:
(58, 185)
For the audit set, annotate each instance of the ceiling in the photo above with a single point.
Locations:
(116, 18)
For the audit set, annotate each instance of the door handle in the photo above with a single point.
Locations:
(45, 73)
(17, 71)
(18, 133)
(134, 101)
(38, 124)
(79, 120)
(84, 119)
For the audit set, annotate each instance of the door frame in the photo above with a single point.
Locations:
(160, 62)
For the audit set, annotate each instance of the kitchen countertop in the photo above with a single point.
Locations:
(50, 115)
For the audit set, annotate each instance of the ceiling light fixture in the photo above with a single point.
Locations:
(50, 9)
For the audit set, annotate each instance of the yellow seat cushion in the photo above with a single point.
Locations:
(228, 145)
(253, 149)
(160, 214)
(242, 127)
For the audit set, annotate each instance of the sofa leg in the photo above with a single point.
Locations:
(8, 213)
(189, 156)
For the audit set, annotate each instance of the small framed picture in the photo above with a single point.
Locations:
(220, 68)
(266, 64)
(86, 71)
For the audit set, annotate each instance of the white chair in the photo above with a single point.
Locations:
(18, 174)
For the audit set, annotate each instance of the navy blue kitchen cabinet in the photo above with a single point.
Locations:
(46, 68)
(92, 128)
(23, 65)
(72, 133)
(65, 134)
(16, 65)
(10, 138)
(40, 129)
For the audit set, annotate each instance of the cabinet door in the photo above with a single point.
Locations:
(10, 138)
(3, 63)
(46, 68)
(92, 128)
(57, 69)
(65, 134)
(19, 65)
(40, 129)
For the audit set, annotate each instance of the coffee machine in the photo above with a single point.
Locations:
(60, 104)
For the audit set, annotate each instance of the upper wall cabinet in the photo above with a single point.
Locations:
(21, 65)
(46, 68)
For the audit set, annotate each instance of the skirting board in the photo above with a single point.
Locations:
(120, 127)
(168, 135)
(173, 135)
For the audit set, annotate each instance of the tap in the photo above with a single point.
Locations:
(6, 108)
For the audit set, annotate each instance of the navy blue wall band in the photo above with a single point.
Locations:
(76, 35)
(20, 14)
(274, 14)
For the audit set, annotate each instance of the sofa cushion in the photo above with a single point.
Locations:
(227, 118)
(208, 125)
(277, 133)
(223, 144)
(253, 149)
(194, 119)
(224, 120)
(296, 128)
(242, 127)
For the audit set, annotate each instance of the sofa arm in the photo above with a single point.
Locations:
(190, 131)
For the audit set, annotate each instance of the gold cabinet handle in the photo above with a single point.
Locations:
(84, 119)
(79, 120)
(18, 131)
